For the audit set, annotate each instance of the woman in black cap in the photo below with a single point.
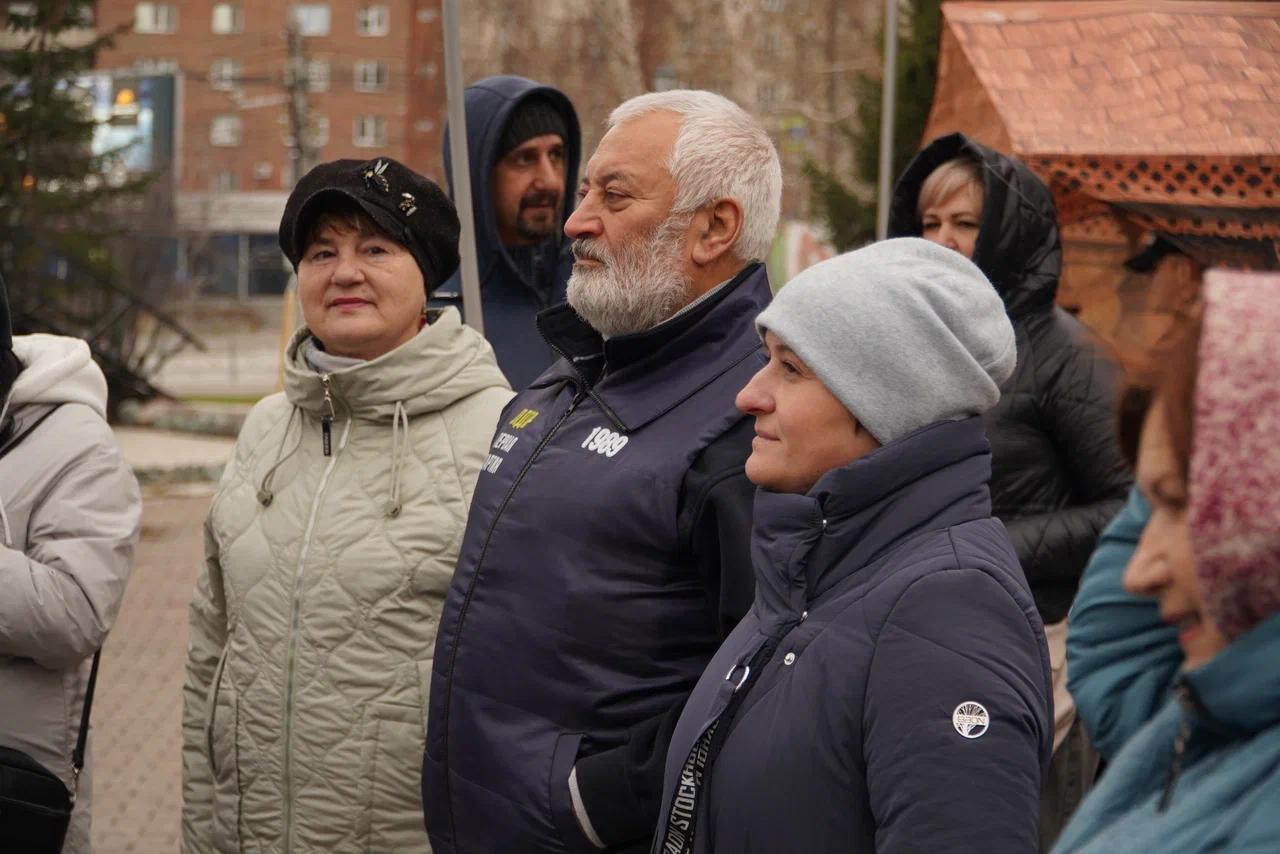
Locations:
(69, 519)
(333, 536)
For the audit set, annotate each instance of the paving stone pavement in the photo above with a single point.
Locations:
(137, 713)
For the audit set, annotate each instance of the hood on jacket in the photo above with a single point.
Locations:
(489, 104)
(1018, 244)
(445, 362)
(57, 370)
(1234, 494)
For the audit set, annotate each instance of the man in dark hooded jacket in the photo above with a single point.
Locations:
(1057, 473)
(524, 145)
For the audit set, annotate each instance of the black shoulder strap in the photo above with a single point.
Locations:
(30, 428)
(77, 757)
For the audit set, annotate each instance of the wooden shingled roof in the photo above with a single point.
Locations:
(1167, 111)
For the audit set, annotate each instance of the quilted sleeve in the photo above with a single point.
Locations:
(957, 727)
(206, 640)
(1079, 409)
(62, 592)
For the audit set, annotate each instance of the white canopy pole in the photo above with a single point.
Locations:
(461, 168)
(888, 99)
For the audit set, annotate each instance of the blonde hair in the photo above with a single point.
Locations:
(951, 177)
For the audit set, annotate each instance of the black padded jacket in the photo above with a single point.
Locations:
(1058, 475)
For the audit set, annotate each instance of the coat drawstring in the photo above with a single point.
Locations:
(265, 495)
(399, 447)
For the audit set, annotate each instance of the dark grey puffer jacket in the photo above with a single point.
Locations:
(891, 680)
(1058, 476)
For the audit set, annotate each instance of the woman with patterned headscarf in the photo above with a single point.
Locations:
(1204, 773)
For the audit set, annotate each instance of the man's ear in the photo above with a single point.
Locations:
(715, 231)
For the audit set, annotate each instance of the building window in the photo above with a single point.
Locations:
(153, 65)
(225, 181)
(371, 75)
(318, 75)
(767, 96)
(227, 18)
(311, 19)
(370, 131)
(316, 136)
(373, 20)
(224, 74)
(225, 130)
(155, 18)
(21, 16)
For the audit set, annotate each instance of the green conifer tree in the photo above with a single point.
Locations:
(56, 194)
(847, 204)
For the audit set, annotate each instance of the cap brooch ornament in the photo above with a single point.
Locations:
(408, 204)
(373, 177)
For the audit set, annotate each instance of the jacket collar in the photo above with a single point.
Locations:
(928, 480)
(443, 363)
(636, 378)
(1239, 688)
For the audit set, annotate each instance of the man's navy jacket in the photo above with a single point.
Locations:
(605, 557)
(902, 701)
(516, 282)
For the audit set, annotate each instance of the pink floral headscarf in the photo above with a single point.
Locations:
(1234, 497)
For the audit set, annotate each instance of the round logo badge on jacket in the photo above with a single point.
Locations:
(970, 719)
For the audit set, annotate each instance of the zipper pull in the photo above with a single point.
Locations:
(1186, 700)
(326, 417)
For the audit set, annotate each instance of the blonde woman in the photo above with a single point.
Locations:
(1057, 474)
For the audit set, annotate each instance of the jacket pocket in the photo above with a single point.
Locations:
(396, 821)
(563, 758)
(221, 716)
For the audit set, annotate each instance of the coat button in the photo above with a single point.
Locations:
(789, 659)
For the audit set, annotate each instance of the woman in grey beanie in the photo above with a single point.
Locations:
(889, 690)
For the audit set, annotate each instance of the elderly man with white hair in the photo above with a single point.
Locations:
(606, 553)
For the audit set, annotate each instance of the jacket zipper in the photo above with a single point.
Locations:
(1188, 702)
(578, 397)
(297, 609)
(326, 416)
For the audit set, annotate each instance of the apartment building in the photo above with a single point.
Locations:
(269, 86)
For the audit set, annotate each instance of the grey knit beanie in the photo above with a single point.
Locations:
(904, 332)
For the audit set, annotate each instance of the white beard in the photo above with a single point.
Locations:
(638, 287)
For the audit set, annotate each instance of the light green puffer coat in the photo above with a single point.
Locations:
(314, 619)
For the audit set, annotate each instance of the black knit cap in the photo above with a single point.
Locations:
(535, 116)
(408, 207)
(6, 325)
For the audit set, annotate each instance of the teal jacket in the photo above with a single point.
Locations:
(1204, 774)
(1121, 657)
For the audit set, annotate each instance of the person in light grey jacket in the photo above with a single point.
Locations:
(70, 513)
